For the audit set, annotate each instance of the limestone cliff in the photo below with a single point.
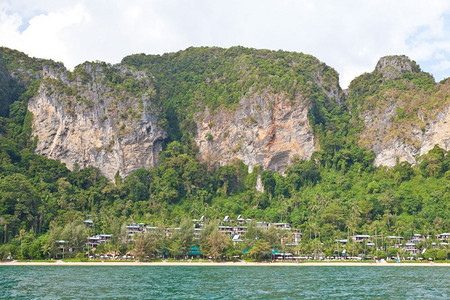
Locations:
(257, 106)
(99, 115)
(267, 129)
(405, 114)
(247, 104)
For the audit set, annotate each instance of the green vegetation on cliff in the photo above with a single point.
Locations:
(396, 97)
(190, 80)
(337, 193)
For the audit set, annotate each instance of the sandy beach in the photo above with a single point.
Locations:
(227, 264)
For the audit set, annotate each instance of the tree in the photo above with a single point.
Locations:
(430, 254)
(441, 254)
(18, 197)
(217, 243)
(260, 250)
(146, 244)
(268, 182)
(182, 239)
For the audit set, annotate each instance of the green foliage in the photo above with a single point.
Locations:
(190, 80)
(336, 193)
(260, 250)
(215, 243)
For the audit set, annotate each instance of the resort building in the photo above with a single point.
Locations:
(359, 238)
(411, 248)
(262, 225)
(235, 232)
(98, 239)
(63, 248)
(444, 236)
(242, 220)
(395, 241)
(89, 223)
(236, 239)
(133, 228)
(226, 229)
(342, 242)
(417, 238)
(282, 225)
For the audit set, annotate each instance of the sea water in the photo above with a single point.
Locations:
(223, 282)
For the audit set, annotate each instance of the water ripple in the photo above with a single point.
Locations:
(211, 282)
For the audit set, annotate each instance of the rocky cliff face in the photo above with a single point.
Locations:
(100, 116)
(267, 129)
(410, 142)
(406, 115)
(105, 116)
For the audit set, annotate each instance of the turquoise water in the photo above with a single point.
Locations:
(210, 282)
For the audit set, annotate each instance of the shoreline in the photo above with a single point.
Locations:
(226, 264)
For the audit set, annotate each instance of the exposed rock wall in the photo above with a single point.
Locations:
(82, 119)
(405, 119)
(266, 129)
(413, 142)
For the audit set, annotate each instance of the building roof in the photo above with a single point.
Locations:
(342, 241)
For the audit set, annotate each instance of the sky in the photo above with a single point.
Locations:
(348, 35)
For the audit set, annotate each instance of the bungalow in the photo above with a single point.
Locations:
(359, 238)
(282, 256)
(225, 229)
(262, 225)
(396, 240)
(240, 229)
(282, 225)
(63, 247)
(342, 242)
(98, 239)
(296, 236)
(199, 223)
(417, 238)
(242, 220)
(133, 228)
(411, 248)
(236, 239)
(444, 236)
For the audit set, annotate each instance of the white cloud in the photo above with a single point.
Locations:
(348, 35)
